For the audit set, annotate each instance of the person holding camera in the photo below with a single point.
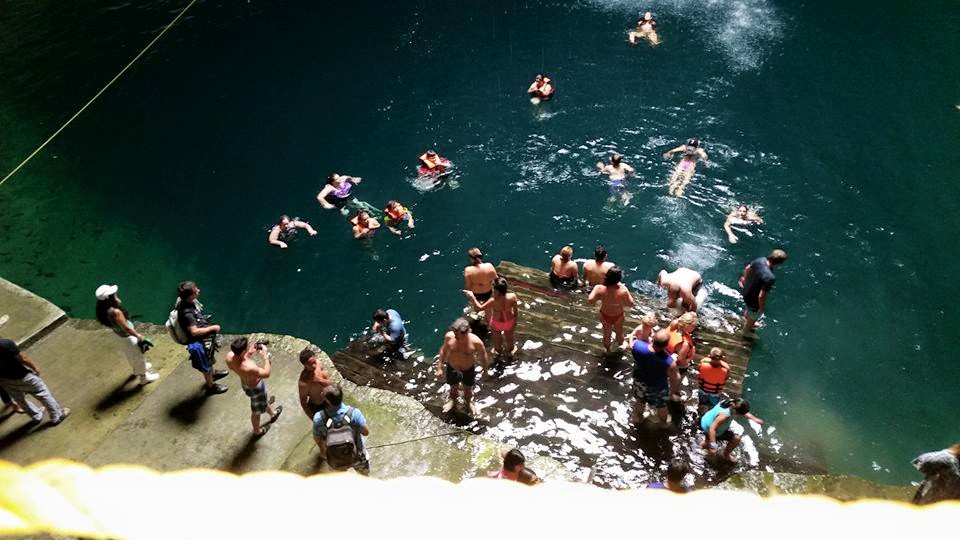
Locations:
(240, 361)
(202, 337)
(111, 313)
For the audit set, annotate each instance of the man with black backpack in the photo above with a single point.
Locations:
(201, 336)
(339, 431)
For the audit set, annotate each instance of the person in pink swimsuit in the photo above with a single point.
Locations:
(504, 309)
(684, 170)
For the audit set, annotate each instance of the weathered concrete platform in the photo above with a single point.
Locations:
(562, 397)
(27, 315)
(171, 425)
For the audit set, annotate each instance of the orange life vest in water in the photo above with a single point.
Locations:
(437, 161)
(712, 378)
(396, 213)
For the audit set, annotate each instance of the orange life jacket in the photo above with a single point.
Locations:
(362, 226)
(676, 338)
(431, 164)
(396, 213)
(712, 378)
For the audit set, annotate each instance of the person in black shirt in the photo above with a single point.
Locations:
(756, 282)
(202, 336)
(19, 376)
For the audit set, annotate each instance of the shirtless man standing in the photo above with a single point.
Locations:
(617, 172)
(478, 278)
(595, 270)
(564, 273)
(458, 359)
(313, 380)
(741, 216)
(683, 283)
(240, 361)
(614, 297)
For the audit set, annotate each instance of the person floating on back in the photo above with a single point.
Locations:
(240, 361)
(111, 313)
(432, 163)
(541, 89)
(718, 425)
(564, 272)
(364, 226)
(742, 216)
(757, 280)
(684, 170)
(646, 29)
(615, 299)
(394, 216)
(282, 231)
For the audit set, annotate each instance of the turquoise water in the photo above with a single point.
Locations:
(834, 123)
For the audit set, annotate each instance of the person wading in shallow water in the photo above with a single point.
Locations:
(504, 309)
(757, 280)
(656, 378)
(595, 270)
(614, 298)
(718, 425)
(457, 362)
(564, 274)
(478, 278)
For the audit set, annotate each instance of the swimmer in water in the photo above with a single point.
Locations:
(614, 298)
(564, 273)
(338, 192)
(541, 89)
(363, 225)
(682, 283)
(683, 173)
(617, 171)
(433, 163)
(646, 28)
(595, 270)
(396, 214)
(281, 231)
(504, 309)
(741, 216)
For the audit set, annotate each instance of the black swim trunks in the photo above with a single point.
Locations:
(455, 377)
(483, 297)
(565, 283)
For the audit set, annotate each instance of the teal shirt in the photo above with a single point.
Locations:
(712, 414)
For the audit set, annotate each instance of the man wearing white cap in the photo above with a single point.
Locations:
(112, 314)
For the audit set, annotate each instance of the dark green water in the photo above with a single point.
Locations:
(838, 123)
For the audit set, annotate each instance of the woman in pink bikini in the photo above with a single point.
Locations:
(683, 173)
(614, 297)
(503, 319)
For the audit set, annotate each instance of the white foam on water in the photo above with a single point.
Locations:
(744, 31)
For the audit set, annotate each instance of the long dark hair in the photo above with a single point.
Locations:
(103, 310)
(739, 405)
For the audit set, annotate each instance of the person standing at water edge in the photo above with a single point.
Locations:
(718, 425)
(614, 298)
(20, 377)
(941, 471)
(281, 231)
(646, 28)
(504, 309)
(595, 270)
(656, 378)
(388, 328)
(684, 170)
(312, 383)
(457, 362)
(740, 216)
(338, 192)
(682, 283)
(112, 314)
(478, 278)
(564, 273)
(757, 280)
(617, 171)
(240, 361)
(339, 432)
(201, 334)
(681, 340)
(711, 378)
(644, 331)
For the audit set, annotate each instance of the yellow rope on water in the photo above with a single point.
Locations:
(102, 90)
